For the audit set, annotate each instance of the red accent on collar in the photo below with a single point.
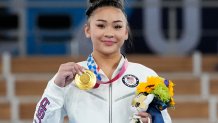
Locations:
(98, 68)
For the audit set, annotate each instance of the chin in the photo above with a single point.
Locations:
(109, 52)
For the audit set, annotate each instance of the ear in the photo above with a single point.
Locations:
(127, 33)
(87, 30)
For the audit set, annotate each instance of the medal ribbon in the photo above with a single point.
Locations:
(92, 66)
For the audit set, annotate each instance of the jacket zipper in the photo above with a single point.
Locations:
(110, 103)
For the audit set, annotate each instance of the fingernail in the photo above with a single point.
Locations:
(80, 73)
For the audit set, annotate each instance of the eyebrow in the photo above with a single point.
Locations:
(106, 21)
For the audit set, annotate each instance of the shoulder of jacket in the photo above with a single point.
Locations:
(142, 68)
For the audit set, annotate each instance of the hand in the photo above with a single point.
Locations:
(145, 117)
(67, 72)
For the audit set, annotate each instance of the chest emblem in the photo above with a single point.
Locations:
(130, 80)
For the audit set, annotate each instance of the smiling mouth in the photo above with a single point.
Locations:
(109, 43)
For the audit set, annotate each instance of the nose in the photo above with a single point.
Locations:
(109, 33)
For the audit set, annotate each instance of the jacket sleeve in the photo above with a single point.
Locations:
(50, 108)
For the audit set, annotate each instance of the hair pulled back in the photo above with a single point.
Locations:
(94, 4)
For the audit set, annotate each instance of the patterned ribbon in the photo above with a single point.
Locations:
(92, 66)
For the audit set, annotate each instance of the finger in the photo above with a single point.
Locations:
(66, 70)
(66, 67)
(143, 114)
(146, 120)
(67, 74)
(70, 78)
(149, 120)
(81, 68)
(78, 69)
(69, 67)
(145, 117)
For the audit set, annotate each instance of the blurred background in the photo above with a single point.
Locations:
(176, 38)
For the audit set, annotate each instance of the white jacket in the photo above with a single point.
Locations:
(110, 103)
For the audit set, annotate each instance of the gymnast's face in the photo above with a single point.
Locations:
(107, 28)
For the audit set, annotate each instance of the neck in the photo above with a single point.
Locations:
(108, 60)
(107, 63)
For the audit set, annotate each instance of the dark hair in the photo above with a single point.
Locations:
(94, 4)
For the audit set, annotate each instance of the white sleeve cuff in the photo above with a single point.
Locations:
(54, 92)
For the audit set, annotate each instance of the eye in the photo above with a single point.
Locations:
(100, 25)
(118, 26)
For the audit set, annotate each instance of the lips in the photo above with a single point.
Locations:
(109, 42)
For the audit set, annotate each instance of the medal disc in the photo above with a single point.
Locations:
(86, 81)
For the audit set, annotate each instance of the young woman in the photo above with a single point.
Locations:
(110, 101)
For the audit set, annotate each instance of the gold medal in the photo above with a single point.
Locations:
(86, 81)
